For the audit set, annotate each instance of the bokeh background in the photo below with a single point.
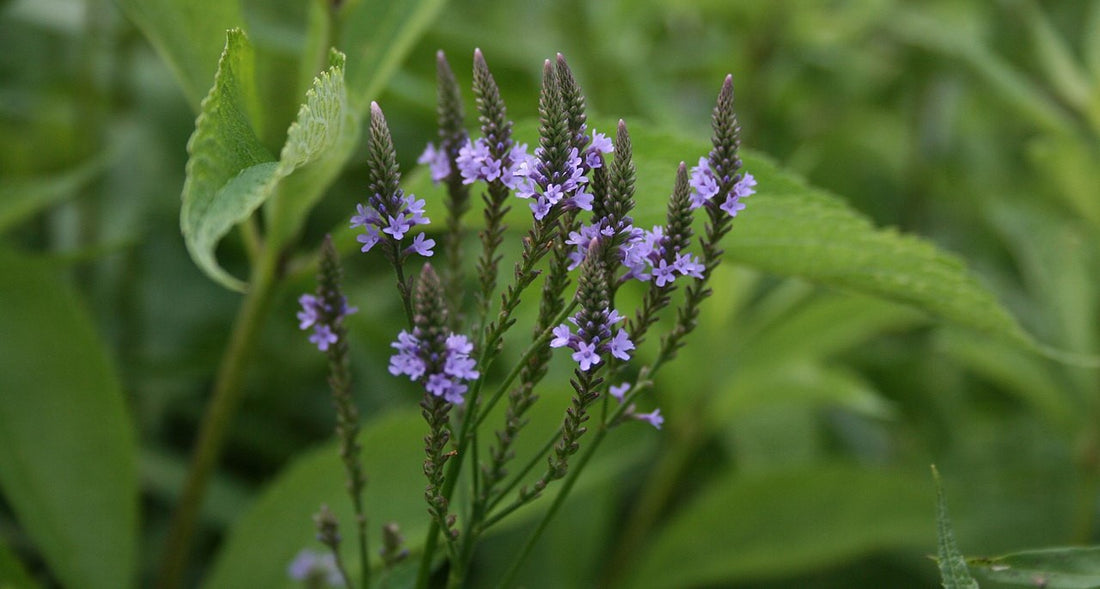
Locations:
(801, 419)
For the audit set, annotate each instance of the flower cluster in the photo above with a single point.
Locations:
(593, 338)
(443, 374)
(535, 179)
(704, 185)
(316, 314)
(394, 216)
(651, 255)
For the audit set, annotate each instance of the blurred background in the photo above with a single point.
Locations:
(801, 419)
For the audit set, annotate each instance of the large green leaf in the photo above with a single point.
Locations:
(67, 451)
(12, 573)
(377, 35)
(785, 523)
(1052, 568)
(230, 174)
(187, 34)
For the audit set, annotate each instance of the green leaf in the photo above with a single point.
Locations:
(230, 174)
(278, 525)
(1051, 568)
(377, 36)
(783, 523)
(67, 450)
(187, 35)
(953, 568)
(12, 573)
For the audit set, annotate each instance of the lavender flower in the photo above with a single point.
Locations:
(593, 338)
(438, 164)
(654, 418)
(309, 565)
(444, 378)
(393, 216)
(619, 391)
(316, 314)
(704, 186)
(651, 254)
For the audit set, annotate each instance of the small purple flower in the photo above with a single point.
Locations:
(446, 375)
(586, 355)
(704, 186)
(422, 246)
(393, 216)
(619, 391)
(561, 336)
(315, 314)
(620, 345)
(654, 418)
(308, 564)
(437, 162)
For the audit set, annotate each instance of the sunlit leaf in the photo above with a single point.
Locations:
(67, 451)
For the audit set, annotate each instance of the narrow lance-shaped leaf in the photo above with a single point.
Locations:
(953, 570)
(229, 174)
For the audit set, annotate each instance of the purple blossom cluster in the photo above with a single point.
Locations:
(593, 338)
(704, 186)
(317, 315)
(443, 374)
(527, 174)
(394, 216)
(647, 256)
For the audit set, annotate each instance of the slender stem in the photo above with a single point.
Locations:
(523, 472)
(219, 414)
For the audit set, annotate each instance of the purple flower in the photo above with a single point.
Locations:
(743, 188)
(315, 314)
(593, 338)
(586, 355)
(704, 186)
(393, 216)
(310, 564)
(654, 418)
(421, 246)
(437, 161)
(446, 375)
(619, 391)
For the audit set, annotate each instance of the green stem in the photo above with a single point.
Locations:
(219, 414)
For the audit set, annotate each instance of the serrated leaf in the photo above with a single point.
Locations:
(377, 35)
(783, 523)
(67, 450)
(953, 570)
(1051, 568)
(230, 174)
(187, 34)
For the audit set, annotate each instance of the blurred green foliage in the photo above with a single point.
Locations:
(802, 417)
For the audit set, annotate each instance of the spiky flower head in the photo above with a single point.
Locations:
(324, 311)
(594, 339)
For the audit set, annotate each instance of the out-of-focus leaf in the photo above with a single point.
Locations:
(377, 35)
(785, 523)
(1055, 57)
(67, 450)
(12, 573)
(1069, 165)
(941, 38)
(802, 382)
(230, 174)
(188, 35)
(1052, 568)
(22, 198)
(953, 569)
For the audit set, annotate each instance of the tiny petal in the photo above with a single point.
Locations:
(421, 246)
(562, 336)
(322, 336)
(586, 356)
(621, 345)
(619, 391)
(654, 418)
